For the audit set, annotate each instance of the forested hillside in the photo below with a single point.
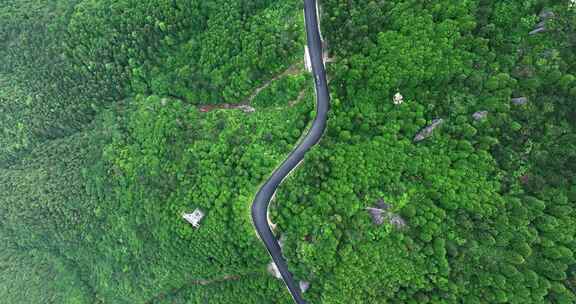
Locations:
(104, 146)
(118, 116)
(482, 211)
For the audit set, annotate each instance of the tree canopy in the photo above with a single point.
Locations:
(116, 117)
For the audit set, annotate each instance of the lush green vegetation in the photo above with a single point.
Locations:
(489, 204)
(103, 147)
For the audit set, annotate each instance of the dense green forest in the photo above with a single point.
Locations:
(118, 116)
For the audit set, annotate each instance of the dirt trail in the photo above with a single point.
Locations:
(244, 105)
(292, 70)
(298, 99)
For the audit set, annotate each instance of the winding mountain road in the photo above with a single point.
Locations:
(268, 189)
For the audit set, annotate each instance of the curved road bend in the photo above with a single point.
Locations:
(266, 192)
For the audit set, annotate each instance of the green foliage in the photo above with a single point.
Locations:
(45, 278)
(118, 116)
(288, 90)
(204, 52)
(486, 203)
(254, 289)
(98, 170)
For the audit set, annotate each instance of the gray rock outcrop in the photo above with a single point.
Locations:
(427, 132)
(304, 286)
(545, 15)
(381, 214)
(480, 115)
(520, 101)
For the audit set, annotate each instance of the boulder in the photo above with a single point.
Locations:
(304, 286)
(537, 30)
(480, 115)
(427, 132)
(520, 101)
(545, 15)
(377, 215)
(397, 221)
(382, 204)
(382, 213)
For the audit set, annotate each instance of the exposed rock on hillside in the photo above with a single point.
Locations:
(427, 132)
(520, 101)
(480, 115)
(381, 214)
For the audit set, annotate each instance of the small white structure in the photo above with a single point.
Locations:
(398, 98)
(194, 218)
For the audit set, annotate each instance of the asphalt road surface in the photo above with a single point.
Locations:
(266, 192)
